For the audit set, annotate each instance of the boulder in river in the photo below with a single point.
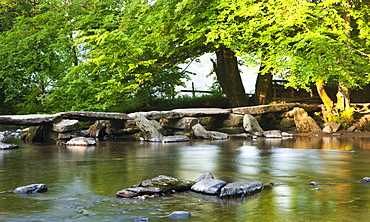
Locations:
(148, 130)
(81, 141)
(5, 146)
(241, 189)
(303, 122)
(202, 133)
(209, 186)
(252, 126)
(176, 138)
(156, 186)
(273, 134)
(33, 188)
(365, 180)
(138, 191)
(179, 214)
(167, 183)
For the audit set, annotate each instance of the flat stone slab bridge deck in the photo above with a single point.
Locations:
(44, 119)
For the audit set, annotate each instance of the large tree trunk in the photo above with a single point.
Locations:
(343, 94)
(328, 103)
(228, 76)
(263, 94)
(343, 100)
(264, 91)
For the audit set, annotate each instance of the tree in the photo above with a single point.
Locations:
(119, 66)
(35, 52)
(180, 29)
(331, 49)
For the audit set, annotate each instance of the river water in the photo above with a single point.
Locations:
(82, 181)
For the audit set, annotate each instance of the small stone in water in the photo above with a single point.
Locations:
(141, 220)
(366, 180)
(179, 214)
(33, 188)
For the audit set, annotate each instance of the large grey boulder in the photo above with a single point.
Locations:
(209, 186)
(29, 189)
(243, 188)
(304, 123)
(252, 126)
(184, 123)
(66, 125)
(148, 130)
(202, 133)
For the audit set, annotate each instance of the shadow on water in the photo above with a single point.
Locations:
(82, 181)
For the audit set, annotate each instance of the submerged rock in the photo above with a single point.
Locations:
(33, 188)
(243, 188)
(313, 183)
(179, 214)
(138, 191)
(209, 186)
(142, 220)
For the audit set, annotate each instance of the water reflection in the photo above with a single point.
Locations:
(82, 181)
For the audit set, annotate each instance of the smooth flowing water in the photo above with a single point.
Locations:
(82, 181)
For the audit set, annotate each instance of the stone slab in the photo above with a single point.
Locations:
(198, 112)
(284, 107)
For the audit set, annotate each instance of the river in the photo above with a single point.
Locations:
(82, 181)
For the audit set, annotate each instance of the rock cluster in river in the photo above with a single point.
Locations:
(205, 184)
(184, 124)
(6, 135)
(171, 126)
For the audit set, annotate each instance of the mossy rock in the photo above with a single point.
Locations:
(168, 184)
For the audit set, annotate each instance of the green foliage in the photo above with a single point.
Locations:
(122, 55)
(344, 117)
(186, 101)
